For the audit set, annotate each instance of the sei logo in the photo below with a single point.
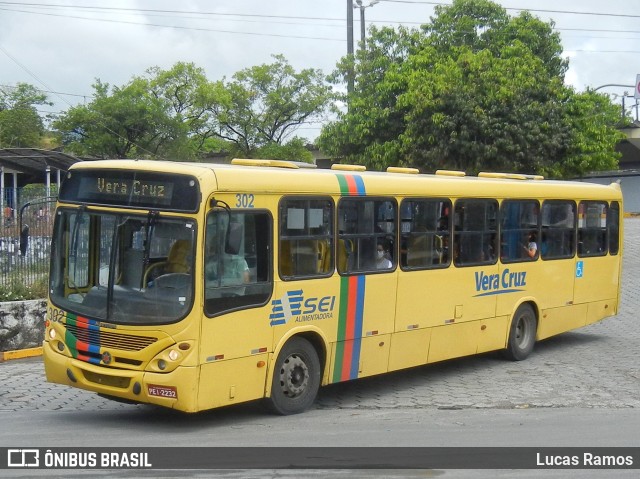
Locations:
(294, 306)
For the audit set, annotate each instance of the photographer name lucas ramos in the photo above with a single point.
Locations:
(586, 459)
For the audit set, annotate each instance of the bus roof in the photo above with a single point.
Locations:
(284, 177)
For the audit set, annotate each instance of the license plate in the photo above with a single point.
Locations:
(163, 391)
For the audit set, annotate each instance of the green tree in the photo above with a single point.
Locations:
(370, 132)
(473, 90)
(179, 114)
(182, 90)
(590, 117)
(264, 105)
(294, 149)
(119, 122)
(20, 123)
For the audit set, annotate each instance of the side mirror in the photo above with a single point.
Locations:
(234, 238)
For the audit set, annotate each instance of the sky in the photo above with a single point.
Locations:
(63, 46)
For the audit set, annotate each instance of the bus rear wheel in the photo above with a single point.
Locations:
(296, 378)
(522, 335)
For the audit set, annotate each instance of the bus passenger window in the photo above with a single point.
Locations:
(306, 237)
(364, 227)
(425, 234)
(475, 232)
(592, 228)
(519, 232)
(557, 237)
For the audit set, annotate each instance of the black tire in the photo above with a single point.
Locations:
(296, 378)
(522, 335)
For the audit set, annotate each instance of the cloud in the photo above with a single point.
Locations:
(66, 49)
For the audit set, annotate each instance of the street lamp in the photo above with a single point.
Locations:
(350, 8)
(362, 7)
(624, 95)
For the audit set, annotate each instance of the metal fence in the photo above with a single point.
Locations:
(25, 239)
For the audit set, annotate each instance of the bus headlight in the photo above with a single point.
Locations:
(169, 359)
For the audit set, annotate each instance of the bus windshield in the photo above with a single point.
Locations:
(122, 268)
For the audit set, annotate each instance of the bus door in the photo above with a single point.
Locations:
(597, 266)
(424, 287)
(238, 282)
(554, 289)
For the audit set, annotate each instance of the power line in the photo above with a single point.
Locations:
(290, 17)
(34, 76)
(141, 11)
(49, 91)
(174, 12)
(572, 12)
(300, 37)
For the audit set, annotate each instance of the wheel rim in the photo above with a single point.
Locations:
(523, 332)
(294, 376)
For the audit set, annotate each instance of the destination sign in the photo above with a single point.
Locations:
(132, 189)
(137, 190)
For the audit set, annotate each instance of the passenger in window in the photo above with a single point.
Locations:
(227, 270)
(544, 245)
(531, 248)
(382, 258)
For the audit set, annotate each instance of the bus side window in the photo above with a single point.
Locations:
(364, 226)
(306, 237)
(592, 228)
(425, 235)
(520, 238)
(557, 238)
(475, 233)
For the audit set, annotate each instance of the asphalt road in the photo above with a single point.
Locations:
(578, 389)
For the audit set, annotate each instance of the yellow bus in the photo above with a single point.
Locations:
(195, 286)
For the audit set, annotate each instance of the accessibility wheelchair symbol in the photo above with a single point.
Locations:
(579, 269)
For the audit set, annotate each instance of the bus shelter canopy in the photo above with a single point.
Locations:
(32, 164)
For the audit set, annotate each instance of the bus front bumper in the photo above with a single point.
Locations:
(176, 389)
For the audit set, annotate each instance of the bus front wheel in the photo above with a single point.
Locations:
(296, 378)
(522, 335)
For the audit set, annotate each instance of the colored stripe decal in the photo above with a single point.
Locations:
(351, 185)
(359, 321)
(350, 326)
(79, 348)
(351, 311)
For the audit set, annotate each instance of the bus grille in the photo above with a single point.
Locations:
(107, 339)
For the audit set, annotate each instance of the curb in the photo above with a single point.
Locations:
(20, 354)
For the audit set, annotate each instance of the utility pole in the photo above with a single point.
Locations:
(350, 8)
(350, 79)
(362, 26)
